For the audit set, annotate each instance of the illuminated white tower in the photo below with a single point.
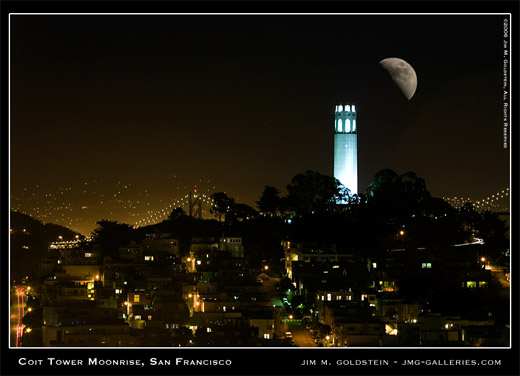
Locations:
(345, 147)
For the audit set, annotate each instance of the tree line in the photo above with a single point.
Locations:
(395, 211)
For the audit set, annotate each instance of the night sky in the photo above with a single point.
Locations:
(117, 117)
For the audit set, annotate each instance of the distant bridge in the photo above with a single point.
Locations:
(498, 202)
(194, 204)
(198, 204)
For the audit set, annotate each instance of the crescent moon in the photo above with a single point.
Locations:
(403, 75)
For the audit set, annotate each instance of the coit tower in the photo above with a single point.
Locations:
(345, 146)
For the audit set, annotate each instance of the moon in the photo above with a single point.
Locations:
(403, 75)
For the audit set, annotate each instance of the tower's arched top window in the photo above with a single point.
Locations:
(354, 125)
(347, 125)
(340, 125)
(353, 108)
(347, 108)
(340, 108)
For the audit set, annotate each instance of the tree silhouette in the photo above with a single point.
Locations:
(241, 212)
(269, 203)
(176, 213)
(222, 204)
(110, 235)
(313, 192)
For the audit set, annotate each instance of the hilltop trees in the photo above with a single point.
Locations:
(225, 206)
(269, 202)
(110, 235)
(313, 192)
(222, 204)
(176, 214)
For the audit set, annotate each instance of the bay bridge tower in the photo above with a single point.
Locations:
(345, 146)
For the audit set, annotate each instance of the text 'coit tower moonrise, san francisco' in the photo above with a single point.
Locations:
(345, 147)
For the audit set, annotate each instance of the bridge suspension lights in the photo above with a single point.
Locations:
(492, 201)
(183, 202)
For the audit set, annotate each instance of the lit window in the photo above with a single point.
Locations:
(482, 284)
(347, 108)
(87, 254)
(266, 336)
(340, 125)
(329, 297)
(471, 284)
(354, 125)
(347, 125)
(136, 298)
(149, 317)
(137, 317)
(353, 109)
(340, 108)
(148, 258)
